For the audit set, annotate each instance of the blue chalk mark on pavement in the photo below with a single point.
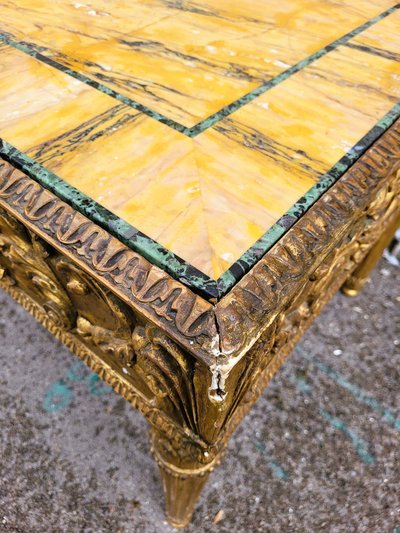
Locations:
(77, 372)
(277, 470)
(360, 395)
(57, 397)
(359, 444)
(96, 386)
(60, 394)
(301, 384)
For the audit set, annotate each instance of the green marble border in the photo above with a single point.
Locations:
(150, 249)
(122, 230)
(39, 53)
(175, 266)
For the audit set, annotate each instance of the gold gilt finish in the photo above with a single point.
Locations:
(359, 277)
(142, 106)
(207, 197)
(192, 368)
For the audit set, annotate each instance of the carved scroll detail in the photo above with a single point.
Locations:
(25, 256)
(179, 438)
(151, 291)
(134, 356)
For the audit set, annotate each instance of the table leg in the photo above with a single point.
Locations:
(182, 485)
(360, 276)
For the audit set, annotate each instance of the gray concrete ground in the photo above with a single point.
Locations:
(319, 451)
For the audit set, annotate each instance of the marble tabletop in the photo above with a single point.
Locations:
(196, 131)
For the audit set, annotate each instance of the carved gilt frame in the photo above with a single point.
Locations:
(192, 368)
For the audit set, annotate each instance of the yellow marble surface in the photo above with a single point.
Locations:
(186, 59)
(210, 197)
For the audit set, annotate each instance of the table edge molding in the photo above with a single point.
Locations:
(185, 316)
(258, 298)
(208, 331)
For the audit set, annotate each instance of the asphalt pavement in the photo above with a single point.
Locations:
(319, 452)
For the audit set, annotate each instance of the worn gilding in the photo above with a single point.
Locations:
(191, 367)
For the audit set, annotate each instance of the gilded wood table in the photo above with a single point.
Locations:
(184, 185)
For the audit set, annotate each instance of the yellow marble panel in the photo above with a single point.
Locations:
(185, 60)
(314, 117)
(381, 39)
(38, 103)
(207, 198)
(134, 166)
(244, 190)
(265, 156)
(144, 172)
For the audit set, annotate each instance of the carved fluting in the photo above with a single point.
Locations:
(140, 284)
(182, 486)
(181, 495)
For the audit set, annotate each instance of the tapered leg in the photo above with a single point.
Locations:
(361, 274)
(183, 477)
(181, 490)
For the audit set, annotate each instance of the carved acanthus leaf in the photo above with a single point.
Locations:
(23, 258)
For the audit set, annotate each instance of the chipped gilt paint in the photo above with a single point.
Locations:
(152, 153)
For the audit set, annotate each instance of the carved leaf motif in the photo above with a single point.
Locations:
(168, 371)
(103, 320)
(23, 257)
(159, 376)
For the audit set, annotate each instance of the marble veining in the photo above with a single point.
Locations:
(99, 106)
(183, 60)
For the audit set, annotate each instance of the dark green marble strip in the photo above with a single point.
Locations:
(165, 259)
(265, 243)
(133, 238)
(35, 51)
(249, 97)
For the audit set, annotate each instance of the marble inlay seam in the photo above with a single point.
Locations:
(38, 53)
(167, 260)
